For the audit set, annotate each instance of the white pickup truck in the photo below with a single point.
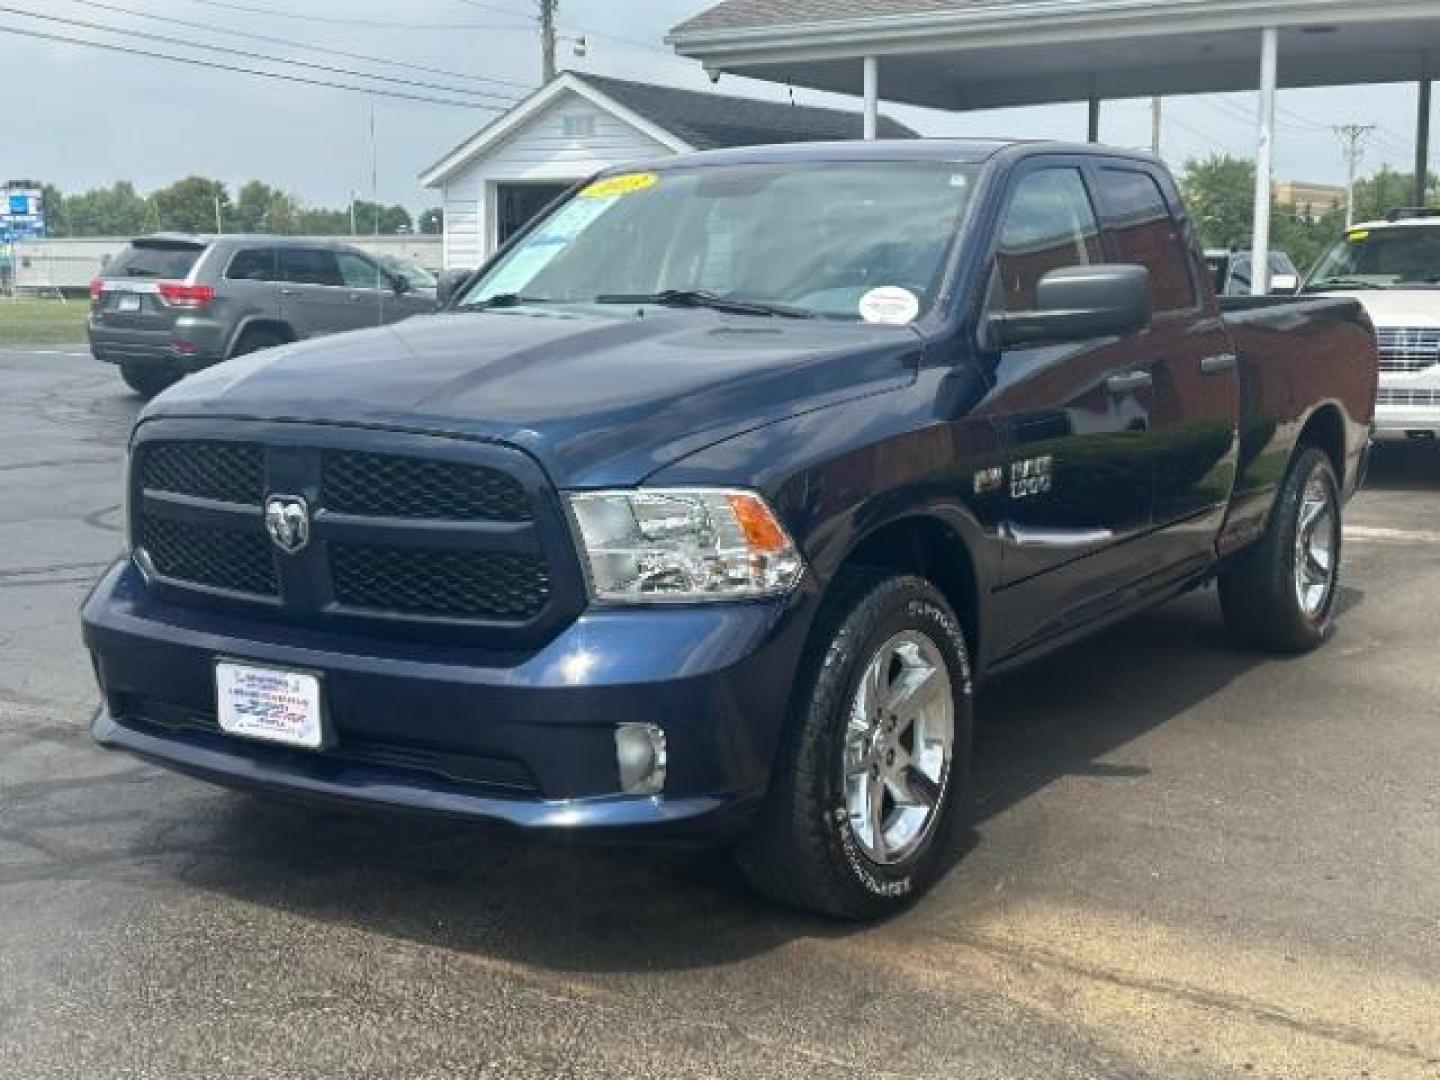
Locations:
(1393, 268)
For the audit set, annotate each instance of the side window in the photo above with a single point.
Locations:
(1050, 225)
(255, 264)
(1146, 233)
(357, 271)
(309, 266)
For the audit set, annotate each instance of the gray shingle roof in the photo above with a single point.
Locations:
(715, 121)
(738, 14)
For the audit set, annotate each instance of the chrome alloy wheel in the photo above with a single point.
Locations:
(1317, 547)
(899, 738)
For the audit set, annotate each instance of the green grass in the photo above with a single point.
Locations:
(42, 322)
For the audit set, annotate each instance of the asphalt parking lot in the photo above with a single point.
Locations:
(1187, 862)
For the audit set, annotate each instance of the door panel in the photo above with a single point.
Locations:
(314, 295)
(1075, 423)
(1196, 406)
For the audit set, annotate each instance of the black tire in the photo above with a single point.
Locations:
(803, 851)
(1258, 589)
(147, 380)
(252, 341)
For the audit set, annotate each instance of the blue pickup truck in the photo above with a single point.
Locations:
(704, 507)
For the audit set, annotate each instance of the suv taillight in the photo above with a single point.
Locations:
(96, 287)
(178, 294)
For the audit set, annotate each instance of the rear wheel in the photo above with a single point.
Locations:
(255, 340)
(866, 803)
(1280, 594)
(147, 380)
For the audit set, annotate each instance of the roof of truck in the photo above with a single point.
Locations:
(958, 151)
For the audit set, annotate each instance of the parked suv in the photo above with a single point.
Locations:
(172, 304)
(1393, 268)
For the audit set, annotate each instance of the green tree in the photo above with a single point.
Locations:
(432, 221)
(261, 208)
(1220, 192)
(386, 220)
(1377, 195)
(118, 210)
(189, 205)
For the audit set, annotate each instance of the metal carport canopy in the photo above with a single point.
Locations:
(982, 54)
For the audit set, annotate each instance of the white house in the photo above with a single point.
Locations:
(496, 181)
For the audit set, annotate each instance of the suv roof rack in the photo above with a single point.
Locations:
(1413, 213)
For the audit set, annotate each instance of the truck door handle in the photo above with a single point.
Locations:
(1218, 365)
(1129, 383)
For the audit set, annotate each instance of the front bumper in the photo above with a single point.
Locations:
(524, 741)
(1401, 422)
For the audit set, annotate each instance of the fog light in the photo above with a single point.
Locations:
(640, 753)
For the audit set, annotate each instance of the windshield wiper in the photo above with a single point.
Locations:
(505, 300)
(696, 298)
(1341, 283)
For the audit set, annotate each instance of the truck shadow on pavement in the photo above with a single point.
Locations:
(1404, 467)
(582, 909)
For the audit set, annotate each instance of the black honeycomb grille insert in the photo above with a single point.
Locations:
(229, 559)
(228, 472)
(440, 583)
(384, 485)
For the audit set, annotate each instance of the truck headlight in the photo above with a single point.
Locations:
(683, 544)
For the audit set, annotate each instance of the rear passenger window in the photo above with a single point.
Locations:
(1050, 225)
(1146, 234)
(257, 264)
(309, 266)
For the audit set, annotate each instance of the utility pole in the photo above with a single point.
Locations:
(1156, 106)
(1352, 144)
(547, 39)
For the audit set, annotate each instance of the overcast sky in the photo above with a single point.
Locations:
(80, 117)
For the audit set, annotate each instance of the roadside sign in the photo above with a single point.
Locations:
(22, 215)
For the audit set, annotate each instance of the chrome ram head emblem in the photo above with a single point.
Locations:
(287, 520)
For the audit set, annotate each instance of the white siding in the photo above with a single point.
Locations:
(539, 152)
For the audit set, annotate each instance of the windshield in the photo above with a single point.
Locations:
(1406, 257)
(844, 241)
(413, 273)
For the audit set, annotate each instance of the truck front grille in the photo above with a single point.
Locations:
(225, 472)
(1422, 398)
(1408, 351)
(434, 529)
(383, 485)
(457, 584)
(230, 559)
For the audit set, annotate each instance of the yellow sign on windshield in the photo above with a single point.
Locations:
(1356, 235)
(625, 184)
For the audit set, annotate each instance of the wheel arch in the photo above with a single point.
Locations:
(1324, 429)
(929, 545)
(259, 323)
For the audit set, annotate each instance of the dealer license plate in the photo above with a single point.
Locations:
(271, 704)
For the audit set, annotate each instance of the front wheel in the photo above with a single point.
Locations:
(867, 800)
(1280, 594)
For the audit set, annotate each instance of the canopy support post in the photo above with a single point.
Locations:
(1094, 128)
(872, 98)
(1265, 161)
(1422, 139)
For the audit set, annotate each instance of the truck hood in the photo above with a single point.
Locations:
(1399, 309)
(598, 396)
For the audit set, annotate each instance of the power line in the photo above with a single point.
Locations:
(568, 25)
(372, 24)
(215, 66)
(246, 54)
(270, 39)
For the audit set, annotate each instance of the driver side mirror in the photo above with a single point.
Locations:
(1076, 303)
(450, 283)
(399, 284)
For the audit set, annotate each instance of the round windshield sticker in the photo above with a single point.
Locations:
(626, 184)
(890, 305)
